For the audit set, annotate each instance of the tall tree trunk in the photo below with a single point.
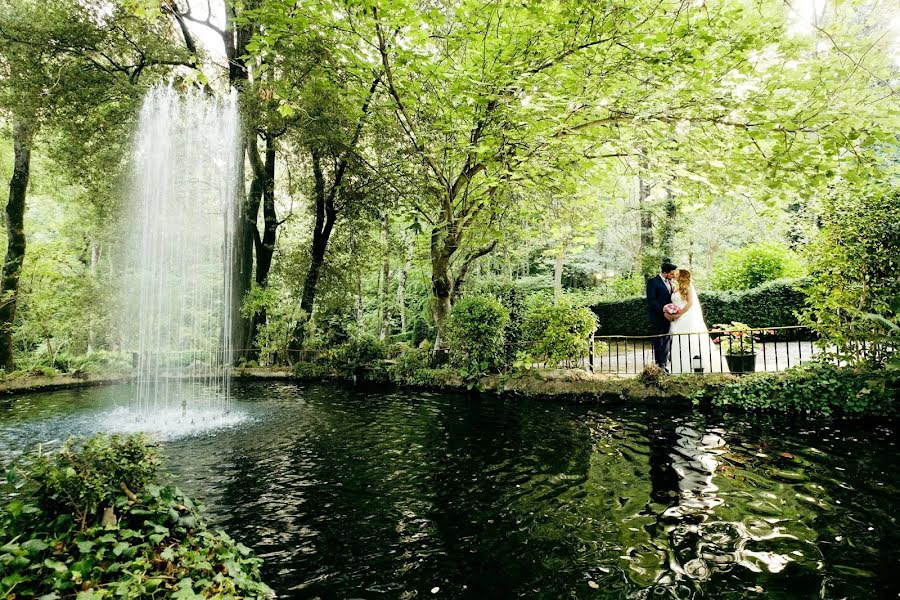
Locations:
(248, 233)
(401, 283)
(384, 308)
(558, 262)
(326, 215)
(242, 265)
(646, 256)
(443, 247)
(264, 246)
(667, 229)
(235, 38)
(321, 235)
(15, 236)
(360, 312)
(95, 259)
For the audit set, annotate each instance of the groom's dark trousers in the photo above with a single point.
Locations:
(658, 295)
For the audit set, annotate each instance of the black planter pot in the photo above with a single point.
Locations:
(741, 363)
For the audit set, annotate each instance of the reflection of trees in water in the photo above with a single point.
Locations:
(709, 532)
(500, 483)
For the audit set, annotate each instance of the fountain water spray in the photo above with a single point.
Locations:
(183, 210)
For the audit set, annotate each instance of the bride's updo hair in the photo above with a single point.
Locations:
(683, 279)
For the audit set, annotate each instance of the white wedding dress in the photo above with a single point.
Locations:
(686, 348)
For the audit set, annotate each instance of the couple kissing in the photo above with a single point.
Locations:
(674, 309)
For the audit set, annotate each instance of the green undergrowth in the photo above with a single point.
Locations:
(92, 520)
(74, 365)
(812, 389)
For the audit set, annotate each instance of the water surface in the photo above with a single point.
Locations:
(355, 493)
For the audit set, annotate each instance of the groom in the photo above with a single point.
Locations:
(659, 293)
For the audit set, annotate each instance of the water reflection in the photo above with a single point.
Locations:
(348, 492)
(694, 460)
(706, 536)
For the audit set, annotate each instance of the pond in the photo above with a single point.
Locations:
(359, 493)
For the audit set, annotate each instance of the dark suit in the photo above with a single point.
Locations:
(658, 295)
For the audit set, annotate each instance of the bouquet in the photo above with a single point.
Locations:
(671, 311)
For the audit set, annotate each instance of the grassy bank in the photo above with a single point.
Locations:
(811, 389)
(31, 382)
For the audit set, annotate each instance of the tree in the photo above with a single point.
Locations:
(61, 57)
(487, 93)
(325, 91)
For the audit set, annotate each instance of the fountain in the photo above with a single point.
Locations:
(181, 211)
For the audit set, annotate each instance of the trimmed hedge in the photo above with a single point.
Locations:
(773, 304)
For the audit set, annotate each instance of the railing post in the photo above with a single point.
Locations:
(591, 353)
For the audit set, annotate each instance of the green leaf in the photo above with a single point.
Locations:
(56, 565)
(285, 110)
(35, 546)
(120, 548)
(185, 590)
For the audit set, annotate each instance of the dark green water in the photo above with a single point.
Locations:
(351, 493)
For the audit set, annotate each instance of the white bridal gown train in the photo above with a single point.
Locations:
(697, 345)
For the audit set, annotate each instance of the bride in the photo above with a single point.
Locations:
(687, 349)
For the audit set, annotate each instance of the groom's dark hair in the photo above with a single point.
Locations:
(667, 267)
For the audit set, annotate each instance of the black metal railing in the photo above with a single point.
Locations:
(754, 349)
(715, 351)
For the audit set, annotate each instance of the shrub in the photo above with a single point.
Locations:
(625, 285)
(92, 521)
(283, 315)
(311, 370)
(773, 304)
(409, 362)
(558, 332)
(855, 272)
(421, 331)
(101, 361)
(751, 266)
(513, 298)
(335, 322)
(814, 389)
(360, 351)
(475, 334)
(652, 375)
(395, 349)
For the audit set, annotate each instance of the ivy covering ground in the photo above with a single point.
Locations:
(814, 389)
(91, 521)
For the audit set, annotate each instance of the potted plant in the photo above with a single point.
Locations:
(739, 345)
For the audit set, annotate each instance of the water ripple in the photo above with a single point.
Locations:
(360, 493)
